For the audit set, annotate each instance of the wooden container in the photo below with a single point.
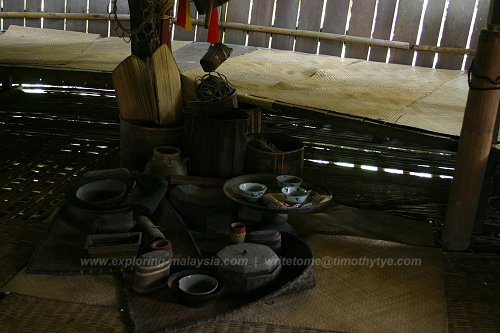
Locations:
(119, 245)
(137, 142)
(248, 267)
(287, 157)
(215, 143)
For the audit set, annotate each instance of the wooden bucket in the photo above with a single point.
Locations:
(287, 160)
(137, 142)
(215, 144)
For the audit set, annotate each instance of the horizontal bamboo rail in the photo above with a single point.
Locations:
(59, 16)
(311, 34)
(255, 28)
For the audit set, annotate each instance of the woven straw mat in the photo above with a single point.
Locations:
(102, 290)
(424, 98)
(357, 298)
(20, 313)
(34, 46)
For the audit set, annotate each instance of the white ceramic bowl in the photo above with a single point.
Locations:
(288, 180)
(252, 191)
(294, 194)
(102, 192)
(198, 284)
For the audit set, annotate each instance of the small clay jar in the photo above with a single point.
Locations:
(166, 161)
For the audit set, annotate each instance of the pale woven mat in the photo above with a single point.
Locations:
(34, 46)
(85, 289)
(358, 298)
(64, 49)
(419, 97)
(106, 53)
(351, 221)
(21, 313)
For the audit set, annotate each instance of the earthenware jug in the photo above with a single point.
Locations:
(166, 161)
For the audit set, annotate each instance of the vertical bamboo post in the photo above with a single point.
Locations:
(474, 147)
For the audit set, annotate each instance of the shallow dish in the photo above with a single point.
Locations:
(194, 300)
(252, 191)
(294, 194)
(101, 193)
(288, 180)
(198, 284)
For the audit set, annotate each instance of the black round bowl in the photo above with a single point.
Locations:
(194, 301)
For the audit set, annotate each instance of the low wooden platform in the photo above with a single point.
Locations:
(388, 100)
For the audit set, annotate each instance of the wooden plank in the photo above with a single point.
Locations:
(76, 6)
(237, 11)
(182, 34)
(54, 6)
(262, 14)
(309, 19)
(382, 30)
(285, 17)
(377, 128)
(167, 81)
(33, 6)
(430, 31)
(362, 13)
(134, 89)
(98, 26)
(121, 8)
(480, 23)
(335, 22)
(13, 6)
(406, 29)
(455, 32)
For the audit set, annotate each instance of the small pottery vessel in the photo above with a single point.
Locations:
(151, 271)
(237, 233)
(166, 161)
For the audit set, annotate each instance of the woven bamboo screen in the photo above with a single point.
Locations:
(442, 23)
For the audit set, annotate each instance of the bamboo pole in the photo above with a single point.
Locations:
(72, 16)
(443, 49)
(258, 28)
(311, 34)
(475, 142)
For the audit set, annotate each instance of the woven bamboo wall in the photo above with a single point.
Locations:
(443, 23)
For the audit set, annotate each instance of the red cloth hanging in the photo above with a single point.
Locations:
(184, 14)
(213, 29)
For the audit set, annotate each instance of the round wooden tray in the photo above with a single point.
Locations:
(231, 189)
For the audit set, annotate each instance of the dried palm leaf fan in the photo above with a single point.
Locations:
(149, 95)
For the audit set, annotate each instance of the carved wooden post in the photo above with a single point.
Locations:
(140, 42)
